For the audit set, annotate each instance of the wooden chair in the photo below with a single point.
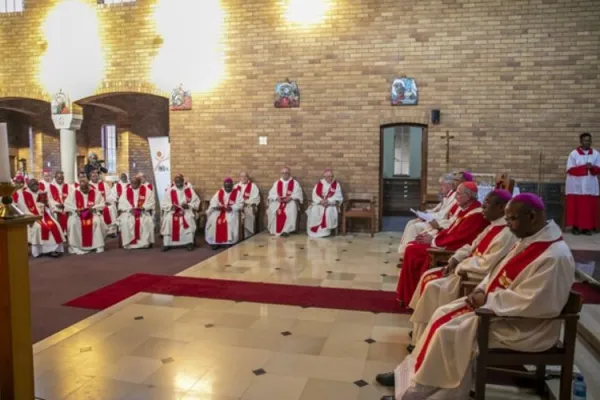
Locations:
(201, 215)
(439, 257)
(562, 354)
(353, 210)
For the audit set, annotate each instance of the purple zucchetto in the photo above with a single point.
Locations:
(531, 200)
(468, 176)
(502, 194)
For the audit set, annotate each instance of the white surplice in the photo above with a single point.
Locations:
(316, 211)
(540, 290)
(74, 223)
(186, 220)
(232, 217)
(57, 195)
(290, 210)
(44, 186)
(582, 185)
(438, 292)
(250, 199)
(110, 205)
(39, 245)
(415, 227)
(127, 219)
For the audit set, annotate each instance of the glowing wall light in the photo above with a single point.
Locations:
(192, 52)
(74, 60)
(306, 12)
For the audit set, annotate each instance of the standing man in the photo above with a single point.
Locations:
(583, 168)
(251, 198)
(178, 225)
(135, 222)
(85, 226)
(322, 213)
(118, 189)
(59, 191)
(284, 197)
(46, 180)
(222, 224)
(94, 165)
(109, 214)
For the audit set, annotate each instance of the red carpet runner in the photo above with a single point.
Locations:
(253, 292)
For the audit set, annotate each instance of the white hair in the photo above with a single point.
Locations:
(447, 178)
(469, 192)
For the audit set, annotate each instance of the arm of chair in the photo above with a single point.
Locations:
(438, 257)
(440, 252)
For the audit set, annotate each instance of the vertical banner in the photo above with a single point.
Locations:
(160, 152)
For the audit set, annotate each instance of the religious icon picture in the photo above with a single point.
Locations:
(404, 92)
(287, 94)
(60, 104)
(180, 99)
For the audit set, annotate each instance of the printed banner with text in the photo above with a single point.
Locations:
(160, 152)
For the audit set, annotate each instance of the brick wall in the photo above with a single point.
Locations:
(512, 78)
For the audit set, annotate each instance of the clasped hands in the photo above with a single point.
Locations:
(324, 203)
(434, 224)
(451, 267)
(286, 199)
(221, 208)
(424, 238)
(184, 206)
(476, 299)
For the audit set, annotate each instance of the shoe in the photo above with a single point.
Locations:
(575, 231)
(285, 234)
(386, 379)
(165, 249)
(190, 247)
(55, 254)
(410, 348)
(587, 232)
(214, 247)
(410, 334)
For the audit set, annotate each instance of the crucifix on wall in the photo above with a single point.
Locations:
(448, 138)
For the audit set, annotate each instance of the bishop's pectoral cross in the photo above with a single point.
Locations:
(448, 138)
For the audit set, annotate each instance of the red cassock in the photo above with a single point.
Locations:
(463, 231)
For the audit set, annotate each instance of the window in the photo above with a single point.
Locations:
(402, 151)
(113, 1)
(109, 145)
(10, 6)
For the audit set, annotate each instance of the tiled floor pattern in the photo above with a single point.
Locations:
(163, 347)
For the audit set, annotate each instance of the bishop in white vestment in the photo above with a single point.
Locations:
(109, 214)
(178, 225)
(251, 198)
(283, 208)
(44, 236)
(322, 213)
(533, 281)
(45, 181)
(85, 226)
(135, 222)
(223, 223)
(58, 191)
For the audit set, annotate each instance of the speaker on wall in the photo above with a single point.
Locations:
(435, 117)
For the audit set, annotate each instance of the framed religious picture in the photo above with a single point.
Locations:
(180, 99)
(404, 92)
(60, 104)
(287, 94)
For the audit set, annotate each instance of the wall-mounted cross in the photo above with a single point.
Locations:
(448, 138)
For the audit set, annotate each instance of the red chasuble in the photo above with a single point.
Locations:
(327, 196)
(222, 231)
(178, 215)
(281, 215)
(86, 218)
(60, 199)
(101, 187)
(463, 231)
(503, 279)
(47, 224)
(137, 212)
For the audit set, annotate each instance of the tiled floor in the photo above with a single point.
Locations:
(163, 347)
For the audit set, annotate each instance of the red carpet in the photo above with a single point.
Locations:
(253, 292)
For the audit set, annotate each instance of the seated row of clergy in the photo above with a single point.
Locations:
(525, 270)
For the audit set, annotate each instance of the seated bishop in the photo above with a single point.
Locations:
(468, 224)
(284, 198)
(178, 224)
(117, 190)
(58, 191)
(223, 223)
(251, 197)
(440, 219)
(472, 262)
(322, 213)
(533, 281)
(45, 236)
(109, 214)
(86, 230)
(136, 224)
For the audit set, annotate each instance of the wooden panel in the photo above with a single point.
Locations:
(400, 195)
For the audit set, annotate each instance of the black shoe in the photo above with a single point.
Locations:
(575, 231)
(165, 249)
(387, 379)
(410, 348)
(285, 234)
(190, 247)
(214, 247)
(587, 232)
(410, 334)
(55, 254)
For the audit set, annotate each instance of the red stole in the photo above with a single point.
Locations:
(248, 190)
(222, 231)
(47, 224)
(42, 185)
(87, 218)
(459, 218)
(330, 193)
(453, 210)
(281, 215)
(137, 214)
(583, 152)
(178, 215)
(106, 212)
(60, 199)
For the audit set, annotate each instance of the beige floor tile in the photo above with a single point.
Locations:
(184, 332)
(205, 396)
(102, 388)
(373, 368)
(276, 324)
(159, 349)
(311, 328)
(355, 317)
(318, 314)
(215, 305)
(165, 300)
(350, 332)
(224, 383)
(240, 321)
(395, 320)
(132, 369)
(329, 368)
(319, 389)
(178, 374)
(271, 386)
(200, 316)
(155, 393)
(301, 345)
(387, 352)
(56, 384)
(345, 349)
(389, 334)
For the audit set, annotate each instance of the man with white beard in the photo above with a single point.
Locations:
(57, 194)
(135, 222)
(85, 226)
(284, 197)
(109, 214)
(178, 225)
(45, 236)
(251, 198)
(322, 213)
(222, 224)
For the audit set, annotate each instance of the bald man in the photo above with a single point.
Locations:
(322, 213)
(135, 222)
(222, 222)
(86, 230)
(46, 180)
(284, 197)
(251, 198)
(533, 281)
